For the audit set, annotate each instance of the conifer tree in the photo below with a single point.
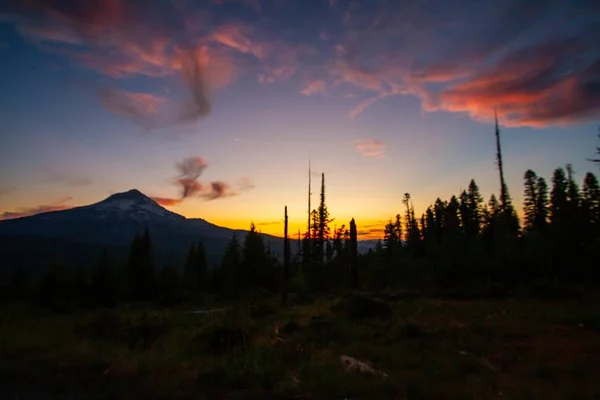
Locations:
(354, 254)
(541, 208)
(475, 203)
(255, 262)
(286, 258)
(229, 271)
(323, 230)
(530, 200)
(558, 198)
(590, 196)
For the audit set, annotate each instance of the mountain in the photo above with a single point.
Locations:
(77, 235)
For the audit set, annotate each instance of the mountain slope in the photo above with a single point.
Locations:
(113, 223)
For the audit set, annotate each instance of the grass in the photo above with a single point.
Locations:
(428, 348)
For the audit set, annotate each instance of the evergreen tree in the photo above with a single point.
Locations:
(590, 197)
(323, 222)
(475, 203)
(465, 212)
(413, 236)
(558, 199)
(530, 200)
(541, 208)
(354, 254)
(134, 268)
(255, 260)
(430, 225)
(286, 258)
(228, 279)
(451, 218)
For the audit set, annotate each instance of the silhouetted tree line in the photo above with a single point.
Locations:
(459, 245)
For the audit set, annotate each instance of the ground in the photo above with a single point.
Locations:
(422, 349)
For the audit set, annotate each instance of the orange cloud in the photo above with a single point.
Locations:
(166, 201)
(27, 211)
(370, 148)
(528, 88)
(315, 87)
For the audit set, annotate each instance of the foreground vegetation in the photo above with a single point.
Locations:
(417, 348)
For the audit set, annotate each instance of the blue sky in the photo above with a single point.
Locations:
(385, 97)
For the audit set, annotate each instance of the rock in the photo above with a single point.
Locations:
(351, 364)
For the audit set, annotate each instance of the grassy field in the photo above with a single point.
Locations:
(419, 349)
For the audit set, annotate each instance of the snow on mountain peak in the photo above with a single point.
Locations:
(132, 202)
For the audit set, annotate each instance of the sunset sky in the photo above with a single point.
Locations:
(384, 96)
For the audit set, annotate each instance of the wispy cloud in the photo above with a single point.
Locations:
(315, 87)
(167, 201)
(268, 223)
(370, 148)
(27, 211)
(141, 108)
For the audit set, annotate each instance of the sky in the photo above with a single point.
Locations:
(215, 107)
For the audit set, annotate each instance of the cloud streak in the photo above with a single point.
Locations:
(370, 148)
(167, 201)
(58, 205)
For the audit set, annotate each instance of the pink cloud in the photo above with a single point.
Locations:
(142, 108)
(315, 87)
(27, 211)
(370, 148)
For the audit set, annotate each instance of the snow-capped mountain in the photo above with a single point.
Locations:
(113, 222)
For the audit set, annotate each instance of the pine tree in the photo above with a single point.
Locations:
(286, 258)
(558, 199)
(354, 254)
(590, 196)
(465, 213)
(451, 218)
(255, 262)
(530, 200)
(413, 236)
(541, 208)
(475, 203)
(573, 197)
(430, 225)
(227, 276)
(323, 232)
